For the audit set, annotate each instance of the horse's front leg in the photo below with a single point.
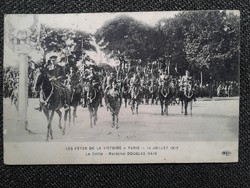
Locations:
(191, 106)
(182, 106)
(125, 100)
(132, 106)
(152, 99)
(117, 119)
(60, 118)
(65, 119)
(166, 107)
(69, 112)
(91, 115)
(49, 131)
(161, 102)
(95, 116)
(113, 120)
(186, 105)
(137, 105)
(74, 114)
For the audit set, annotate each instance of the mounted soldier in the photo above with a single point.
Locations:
(163, 77)
(187, 84)
(135, 80)
(95, 82)
(93, 79)
(56, 76)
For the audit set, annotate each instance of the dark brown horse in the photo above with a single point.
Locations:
(94, 98)
(153, 88)
(53, 97)
(136, 97)
(125, 93)
(165, 95)
(187, 96)
(76, 93)
(114, 98)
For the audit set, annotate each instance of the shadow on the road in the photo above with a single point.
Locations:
(212, 116)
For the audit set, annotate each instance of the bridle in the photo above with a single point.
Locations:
(43, 99)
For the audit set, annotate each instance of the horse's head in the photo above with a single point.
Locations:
(166, 84)
(39, 79)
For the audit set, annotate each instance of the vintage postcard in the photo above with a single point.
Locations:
(131, 87)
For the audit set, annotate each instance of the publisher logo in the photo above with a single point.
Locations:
(226, 153)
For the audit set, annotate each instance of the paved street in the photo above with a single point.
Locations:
(212, 120)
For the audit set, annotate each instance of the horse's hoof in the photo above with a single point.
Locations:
(117, 127)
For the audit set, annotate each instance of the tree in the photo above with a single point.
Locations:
(71, 43)
(127, 39)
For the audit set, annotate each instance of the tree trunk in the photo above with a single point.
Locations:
(201, 78)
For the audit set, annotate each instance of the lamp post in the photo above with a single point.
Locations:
(23, 32)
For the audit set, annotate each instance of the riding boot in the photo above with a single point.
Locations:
(108, 106)
(39, 108)
(66, 107)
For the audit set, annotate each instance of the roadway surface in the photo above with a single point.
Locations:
(211, 120)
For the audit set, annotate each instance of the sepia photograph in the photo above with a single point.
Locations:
(125, 87)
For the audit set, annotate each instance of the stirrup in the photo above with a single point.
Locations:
(66, 107)
(38, 108)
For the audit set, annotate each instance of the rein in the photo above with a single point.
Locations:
(51, 92)
(163, 89)
(187, 91)
(189, 95)
(91, 99)
(163, 94)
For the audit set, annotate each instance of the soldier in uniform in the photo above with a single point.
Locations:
(186, 82)
(57, 76)
(163, 78)
(135, 80)
(95, 81)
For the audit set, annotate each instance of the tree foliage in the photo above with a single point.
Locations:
(201, 41)
(71, 43)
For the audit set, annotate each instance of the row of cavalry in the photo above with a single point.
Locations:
(54, 96)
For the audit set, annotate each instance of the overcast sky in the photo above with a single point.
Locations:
(90, 22)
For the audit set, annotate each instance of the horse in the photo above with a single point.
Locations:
(53, 97)
(76, 93)
(125, 93)
(146, 93)
(136, 97)
(114, 98)
(153, 93)
(186, 96)
(165, 95)
(94, 97)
